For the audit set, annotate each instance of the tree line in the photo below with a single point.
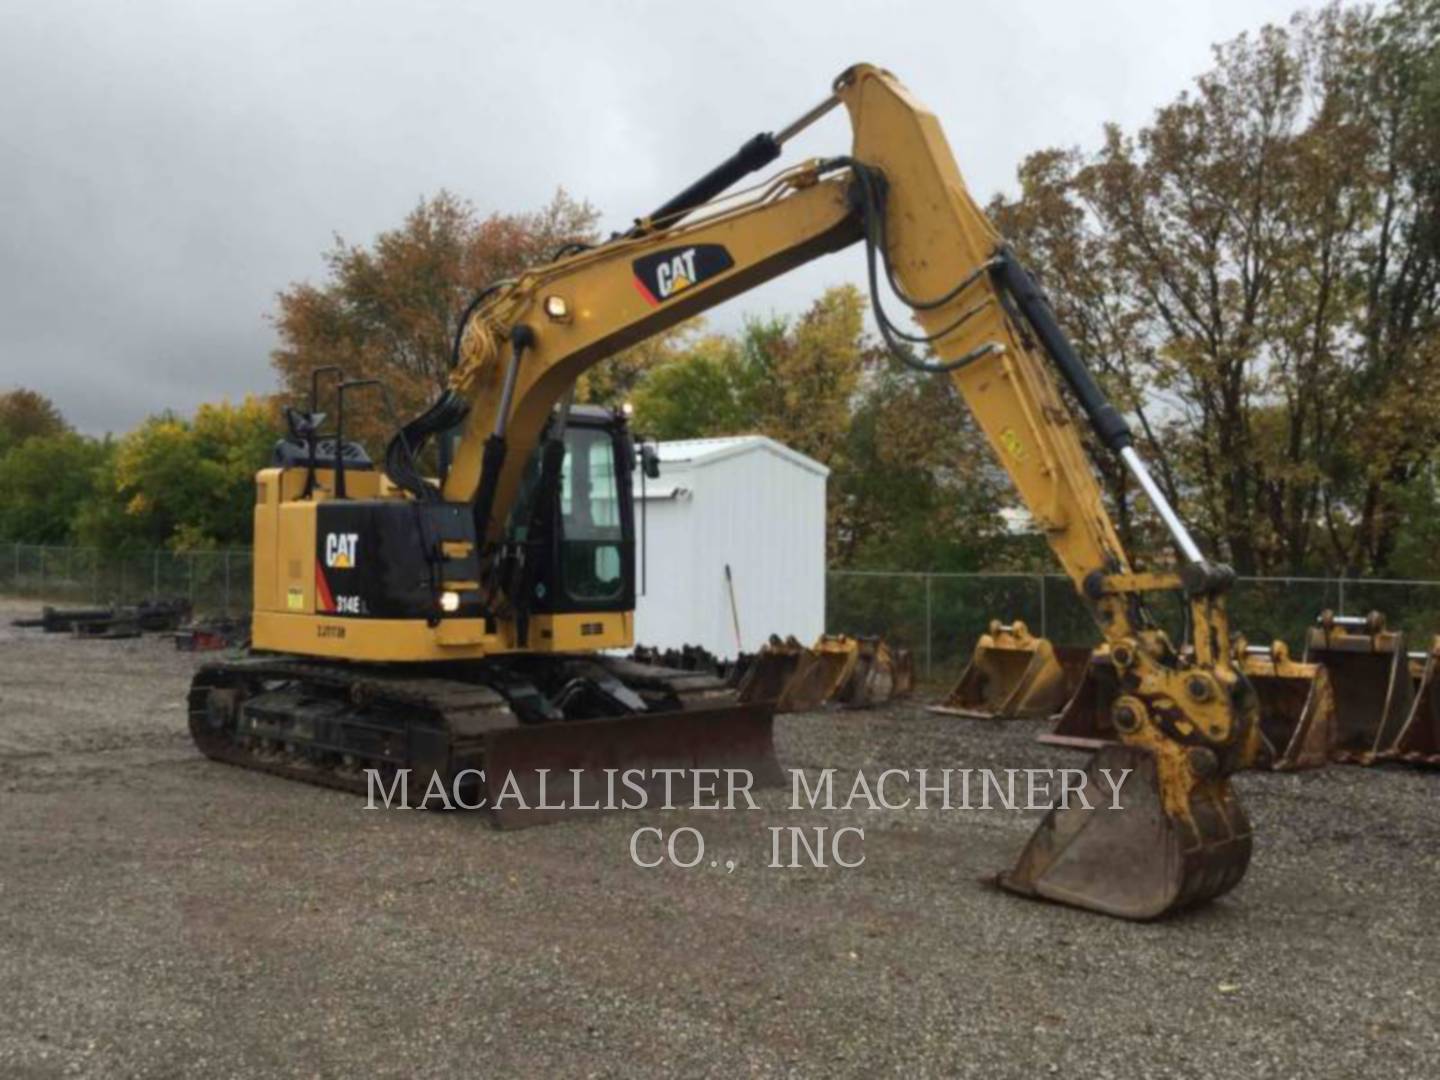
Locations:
(1254, 274)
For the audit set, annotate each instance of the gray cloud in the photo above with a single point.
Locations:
(167, 167)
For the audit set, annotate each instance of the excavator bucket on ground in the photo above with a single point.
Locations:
(1297, 706)
(1370, 675)
(821, 672)
(770, 670)
(1136, 861)
(1011, 675)
(1084, 721)
(880, 674)
(855, 672)
(1418, 742)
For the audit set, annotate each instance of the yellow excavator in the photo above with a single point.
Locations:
(466, 624)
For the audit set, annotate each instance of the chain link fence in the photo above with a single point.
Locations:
(215, 582)
(939, 616)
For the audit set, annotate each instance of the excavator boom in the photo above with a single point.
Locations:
(1186, 721)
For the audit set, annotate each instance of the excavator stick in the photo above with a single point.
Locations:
(1370, 675)
(1418, 742)
(1012, 674)
(1124, 855)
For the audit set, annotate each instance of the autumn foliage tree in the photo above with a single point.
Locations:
(390, 310)
(1255, 274)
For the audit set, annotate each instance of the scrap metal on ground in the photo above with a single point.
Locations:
(113, 621)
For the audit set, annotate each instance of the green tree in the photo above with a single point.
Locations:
(190, 483)
(25, 414)
(45, 483)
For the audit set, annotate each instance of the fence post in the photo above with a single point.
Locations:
(929, 639)
(95, 575)
(155, 576)
(1044, 630)
(227, 583)
(191, 560)
(1341, 610)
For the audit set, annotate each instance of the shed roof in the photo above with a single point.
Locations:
(706, 451)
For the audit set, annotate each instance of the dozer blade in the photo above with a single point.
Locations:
(1297, 707)
(880, 674)
(1011, 675)
(1418, 742)
(1135, 862)
(528, 768)
(820, 674)
(1370, 676)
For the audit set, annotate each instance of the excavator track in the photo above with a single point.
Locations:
(334, 724)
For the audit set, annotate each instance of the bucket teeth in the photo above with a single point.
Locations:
(1013, 674)
(1137, 861)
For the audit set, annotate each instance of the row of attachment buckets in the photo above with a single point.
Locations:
(858, 672)
(1357, 696)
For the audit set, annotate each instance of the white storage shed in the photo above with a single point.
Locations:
(749, 503)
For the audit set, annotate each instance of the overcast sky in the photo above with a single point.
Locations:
(165, 168)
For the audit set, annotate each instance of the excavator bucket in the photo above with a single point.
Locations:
(1135, 861)
(1418, 742)
(880, 675)
(1011, 675)
(1370, 675)
(538, 773)
(821, 673)
(771, 670)
(1297, 707)
(1084, 722)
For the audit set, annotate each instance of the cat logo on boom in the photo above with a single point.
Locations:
(340, 550)
(666, 274)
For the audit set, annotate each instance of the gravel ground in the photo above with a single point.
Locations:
(161, 914)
